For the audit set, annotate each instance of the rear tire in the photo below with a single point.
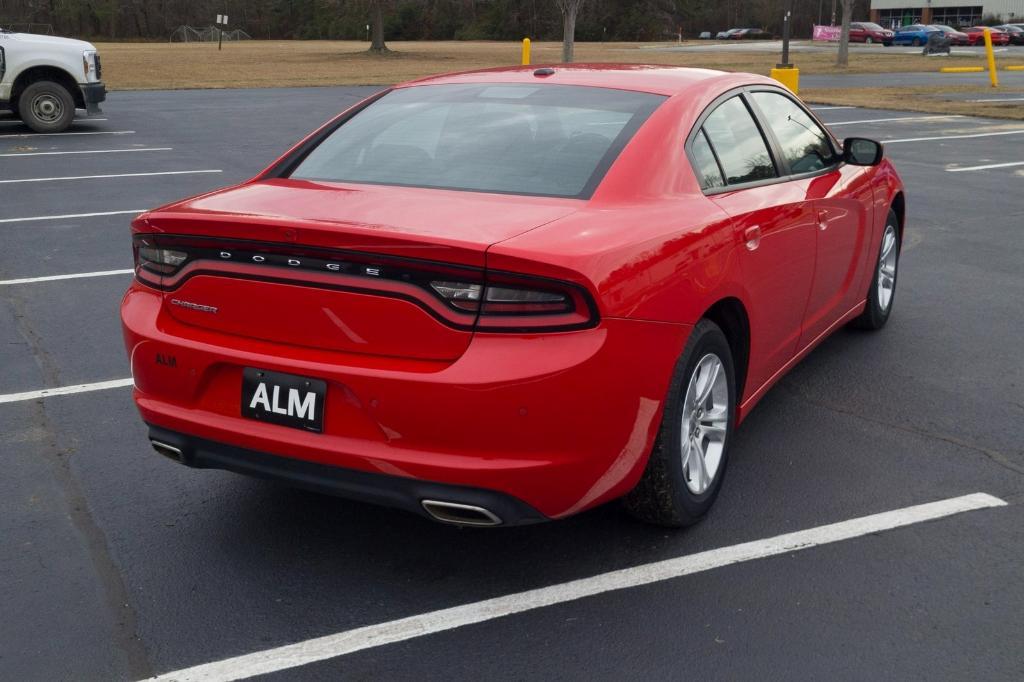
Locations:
(685, 470)
(882, 292)
(46, 107)
(869, 40)
(917, 42)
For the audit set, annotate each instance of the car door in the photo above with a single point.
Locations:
(857, 33)
(774, 226)
(842, 206)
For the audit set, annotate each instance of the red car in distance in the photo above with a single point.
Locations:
(954, 36)
(511, 295)
(976, 36)
(868, 32)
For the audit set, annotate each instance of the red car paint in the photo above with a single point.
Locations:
(976, 36)
(561, 420)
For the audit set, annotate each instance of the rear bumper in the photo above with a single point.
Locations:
(92, 95)
(561, 422)
(375, 488)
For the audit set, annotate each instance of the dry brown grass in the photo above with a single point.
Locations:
(142, 66)
(928, 99)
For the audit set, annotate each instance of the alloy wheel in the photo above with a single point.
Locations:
(706, 414)
(887, 268)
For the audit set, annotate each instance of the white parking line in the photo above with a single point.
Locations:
(64, 390)
(892, 120)
(91, 132)
(113, 175)
(830, 108)
(953, 137)
(77, 120)
(999, 99)
(54, 278)
(90, 151)
(68, 215)
(340, 644)
(986, 167)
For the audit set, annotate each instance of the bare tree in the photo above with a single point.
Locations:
(843, 58)
(377, 27)
(569, 8)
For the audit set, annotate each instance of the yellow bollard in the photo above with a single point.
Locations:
(991, 59)
(789, 76)
(526, 51)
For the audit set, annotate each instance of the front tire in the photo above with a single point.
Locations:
(685, 470)
(882, 292)
(46, 107)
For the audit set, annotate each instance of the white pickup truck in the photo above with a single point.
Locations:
(43, 79)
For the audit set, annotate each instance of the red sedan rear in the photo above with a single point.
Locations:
(511, 295)
(976, 36)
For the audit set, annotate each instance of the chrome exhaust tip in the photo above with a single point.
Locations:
(460, 514)
(168, 451)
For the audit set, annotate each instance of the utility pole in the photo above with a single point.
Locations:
(787, 21)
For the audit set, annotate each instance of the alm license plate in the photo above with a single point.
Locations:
(283, 399)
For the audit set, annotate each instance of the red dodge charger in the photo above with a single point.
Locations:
(511, 295)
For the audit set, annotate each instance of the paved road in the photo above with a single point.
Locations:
(118, 564)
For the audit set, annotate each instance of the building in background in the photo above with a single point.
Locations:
(896, 13)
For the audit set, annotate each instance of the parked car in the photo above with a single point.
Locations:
(868, 32)
(725, 35)
(914, 34)
(43, 79)
(705, 35)
(751, 34)
(495, 297)
(976, 35)
(954, 36)
(1014, 32)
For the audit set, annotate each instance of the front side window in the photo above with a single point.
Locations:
(548, 140)
(738, 142)
(805, 146)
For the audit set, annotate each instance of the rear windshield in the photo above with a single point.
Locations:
(548, 140)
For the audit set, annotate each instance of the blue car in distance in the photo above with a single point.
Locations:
(914, 34)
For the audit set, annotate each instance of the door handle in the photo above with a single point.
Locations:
(752, 235)
(822, 219)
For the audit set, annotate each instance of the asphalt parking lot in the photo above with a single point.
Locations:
(116, 563)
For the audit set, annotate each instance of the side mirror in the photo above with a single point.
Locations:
(860, 151)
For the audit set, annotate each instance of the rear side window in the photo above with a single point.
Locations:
(805, 146)
(738, 143)
(704, 163)
(548, 140)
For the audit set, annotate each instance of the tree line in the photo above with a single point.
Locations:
(597, 20)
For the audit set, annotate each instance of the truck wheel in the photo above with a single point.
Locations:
(46, 107)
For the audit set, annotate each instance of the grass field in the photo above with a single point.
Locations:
(143, 66)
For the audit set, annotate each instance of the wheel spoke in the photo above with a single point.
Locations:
(711, 375)
(714, 432)
(699, 466)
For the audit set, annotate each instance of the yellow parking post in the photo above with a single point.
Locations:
(788, 76)
(526, 51)
(991, 59)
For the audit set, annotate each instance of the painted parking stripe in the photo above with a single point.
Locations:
(57, 278)
(986, 167)
(91, 132)
(78, 120)
(68, 216)
(90, 151)
(340, 644)
(65, 390)
(999, 99)
(892, 120)
(112, 175)
(953, 137)
(830, 108)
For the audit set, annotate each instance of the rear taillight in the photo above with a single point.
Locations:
(462, 297)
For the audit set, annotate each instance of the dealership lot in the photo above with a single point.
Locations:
(117, 563)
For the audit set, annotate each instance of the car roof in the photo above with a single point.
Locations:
(652, 78)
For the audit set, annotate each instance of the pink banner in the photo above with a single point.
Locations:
(830, 33)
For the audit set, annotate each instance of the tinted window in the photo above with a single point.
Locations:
(704, 164)
(738, 143)
(552, 140)
(805, 146)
